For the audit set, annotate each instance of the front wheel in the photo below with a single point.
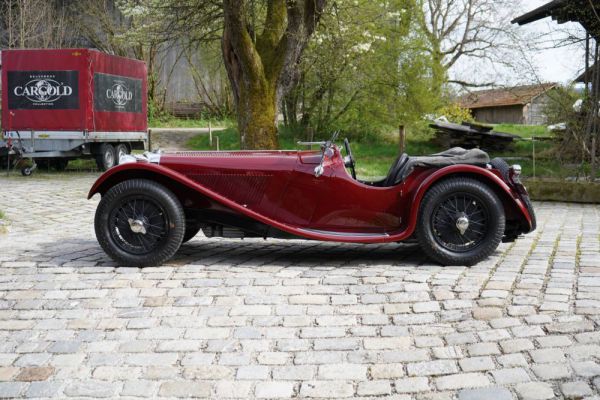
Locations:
(139, 223)
(461, 222)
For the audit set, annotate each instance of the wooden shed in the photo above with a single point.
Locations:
(512, 105)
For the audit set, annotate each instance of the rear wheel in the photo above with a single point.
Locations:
(106, 157)
(139, 223)
(461, 222)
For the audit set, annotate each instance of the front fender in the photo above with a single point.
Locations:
(486, 175)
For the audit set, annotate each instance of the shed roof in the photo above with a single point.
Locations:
(591, 70)
(586, 12)
(512, 96)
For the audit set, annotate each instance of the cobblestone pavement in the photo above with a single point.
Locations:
(277, 319)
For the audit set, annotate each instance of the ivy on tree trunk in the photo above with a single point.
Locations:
(262, 67)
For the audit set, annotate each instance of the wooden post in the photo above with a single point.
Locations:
(209, 133)
(310, 135)
(149, 139)
(593, 160)
(533, 146)
(217, 142)
(402, 138)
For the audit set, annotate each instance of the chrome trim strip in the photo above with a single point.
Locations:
(351, 234)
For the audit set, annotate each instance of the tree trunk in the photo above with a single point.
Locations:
(257, 112)
(262, 69)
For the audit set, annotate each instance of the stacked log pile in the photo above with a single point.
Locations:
(469, 136)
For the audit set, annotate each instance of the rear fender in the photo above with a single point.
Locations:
(514, 207)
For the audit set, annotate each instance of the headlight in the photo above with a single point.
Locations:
(516, 168)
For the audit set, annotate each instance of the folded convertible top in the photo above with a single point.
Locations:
(456, 155)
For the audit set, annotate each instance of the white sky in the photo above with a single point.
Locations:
(554, 65)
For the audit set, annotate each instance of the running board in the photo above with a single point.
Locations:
(345, 234)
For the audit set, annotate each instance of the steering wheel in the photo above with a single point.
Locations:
(349, 159)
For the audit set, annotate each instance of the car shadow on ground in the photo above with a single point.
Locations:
(236, 252)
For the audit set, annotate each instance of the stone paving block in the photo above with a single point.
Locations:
(342, 372)
(332, 389)
(412, 385)
(374, 388)
(494, 393)
(512, 360)
(474, 364)
(232, 389)
(91, 388)
(461, 381)
(294, 373)
(139, 388)
(586, 368)
(575, 390)
(547, 356)
(34, 374)
(551, 371)
(184, 389)
(429, 368)
(43, 389)
(387, 371)
(509, 376)
(535, 391)
(11, 390)
(252, 372)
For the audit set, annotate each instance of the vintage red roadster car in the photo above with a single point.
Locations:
(458, 204)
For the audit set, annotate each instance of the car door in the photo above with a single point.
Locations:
(334, 202)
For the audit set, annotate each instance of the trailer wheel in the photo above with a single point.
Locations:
(26, 171)
(106, 157)
(121, 150)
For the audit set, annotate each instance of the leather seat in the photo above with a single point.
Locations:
(395, 173)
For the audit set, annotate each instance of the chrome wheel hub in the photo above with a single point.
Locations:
(462, 224)
(137, 226)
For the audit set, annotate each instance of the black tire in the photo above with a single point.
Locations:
(26, 171)
(121, 150)
(437, 227)
(161, 214)
(106, 157)
(192, 227)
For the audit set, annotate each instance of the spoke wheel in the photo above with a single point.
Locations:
(138, 225)
(460, 222)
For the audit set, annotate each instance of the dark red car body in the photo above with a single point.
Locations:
(276, 193)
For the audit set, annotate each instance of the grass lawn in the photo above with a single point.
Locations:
(172, 122)
(374, 158)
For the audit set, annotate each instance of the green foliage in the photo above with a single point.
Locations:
(525, 131)
(573, 140)
(456, 114)
(363, 72)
